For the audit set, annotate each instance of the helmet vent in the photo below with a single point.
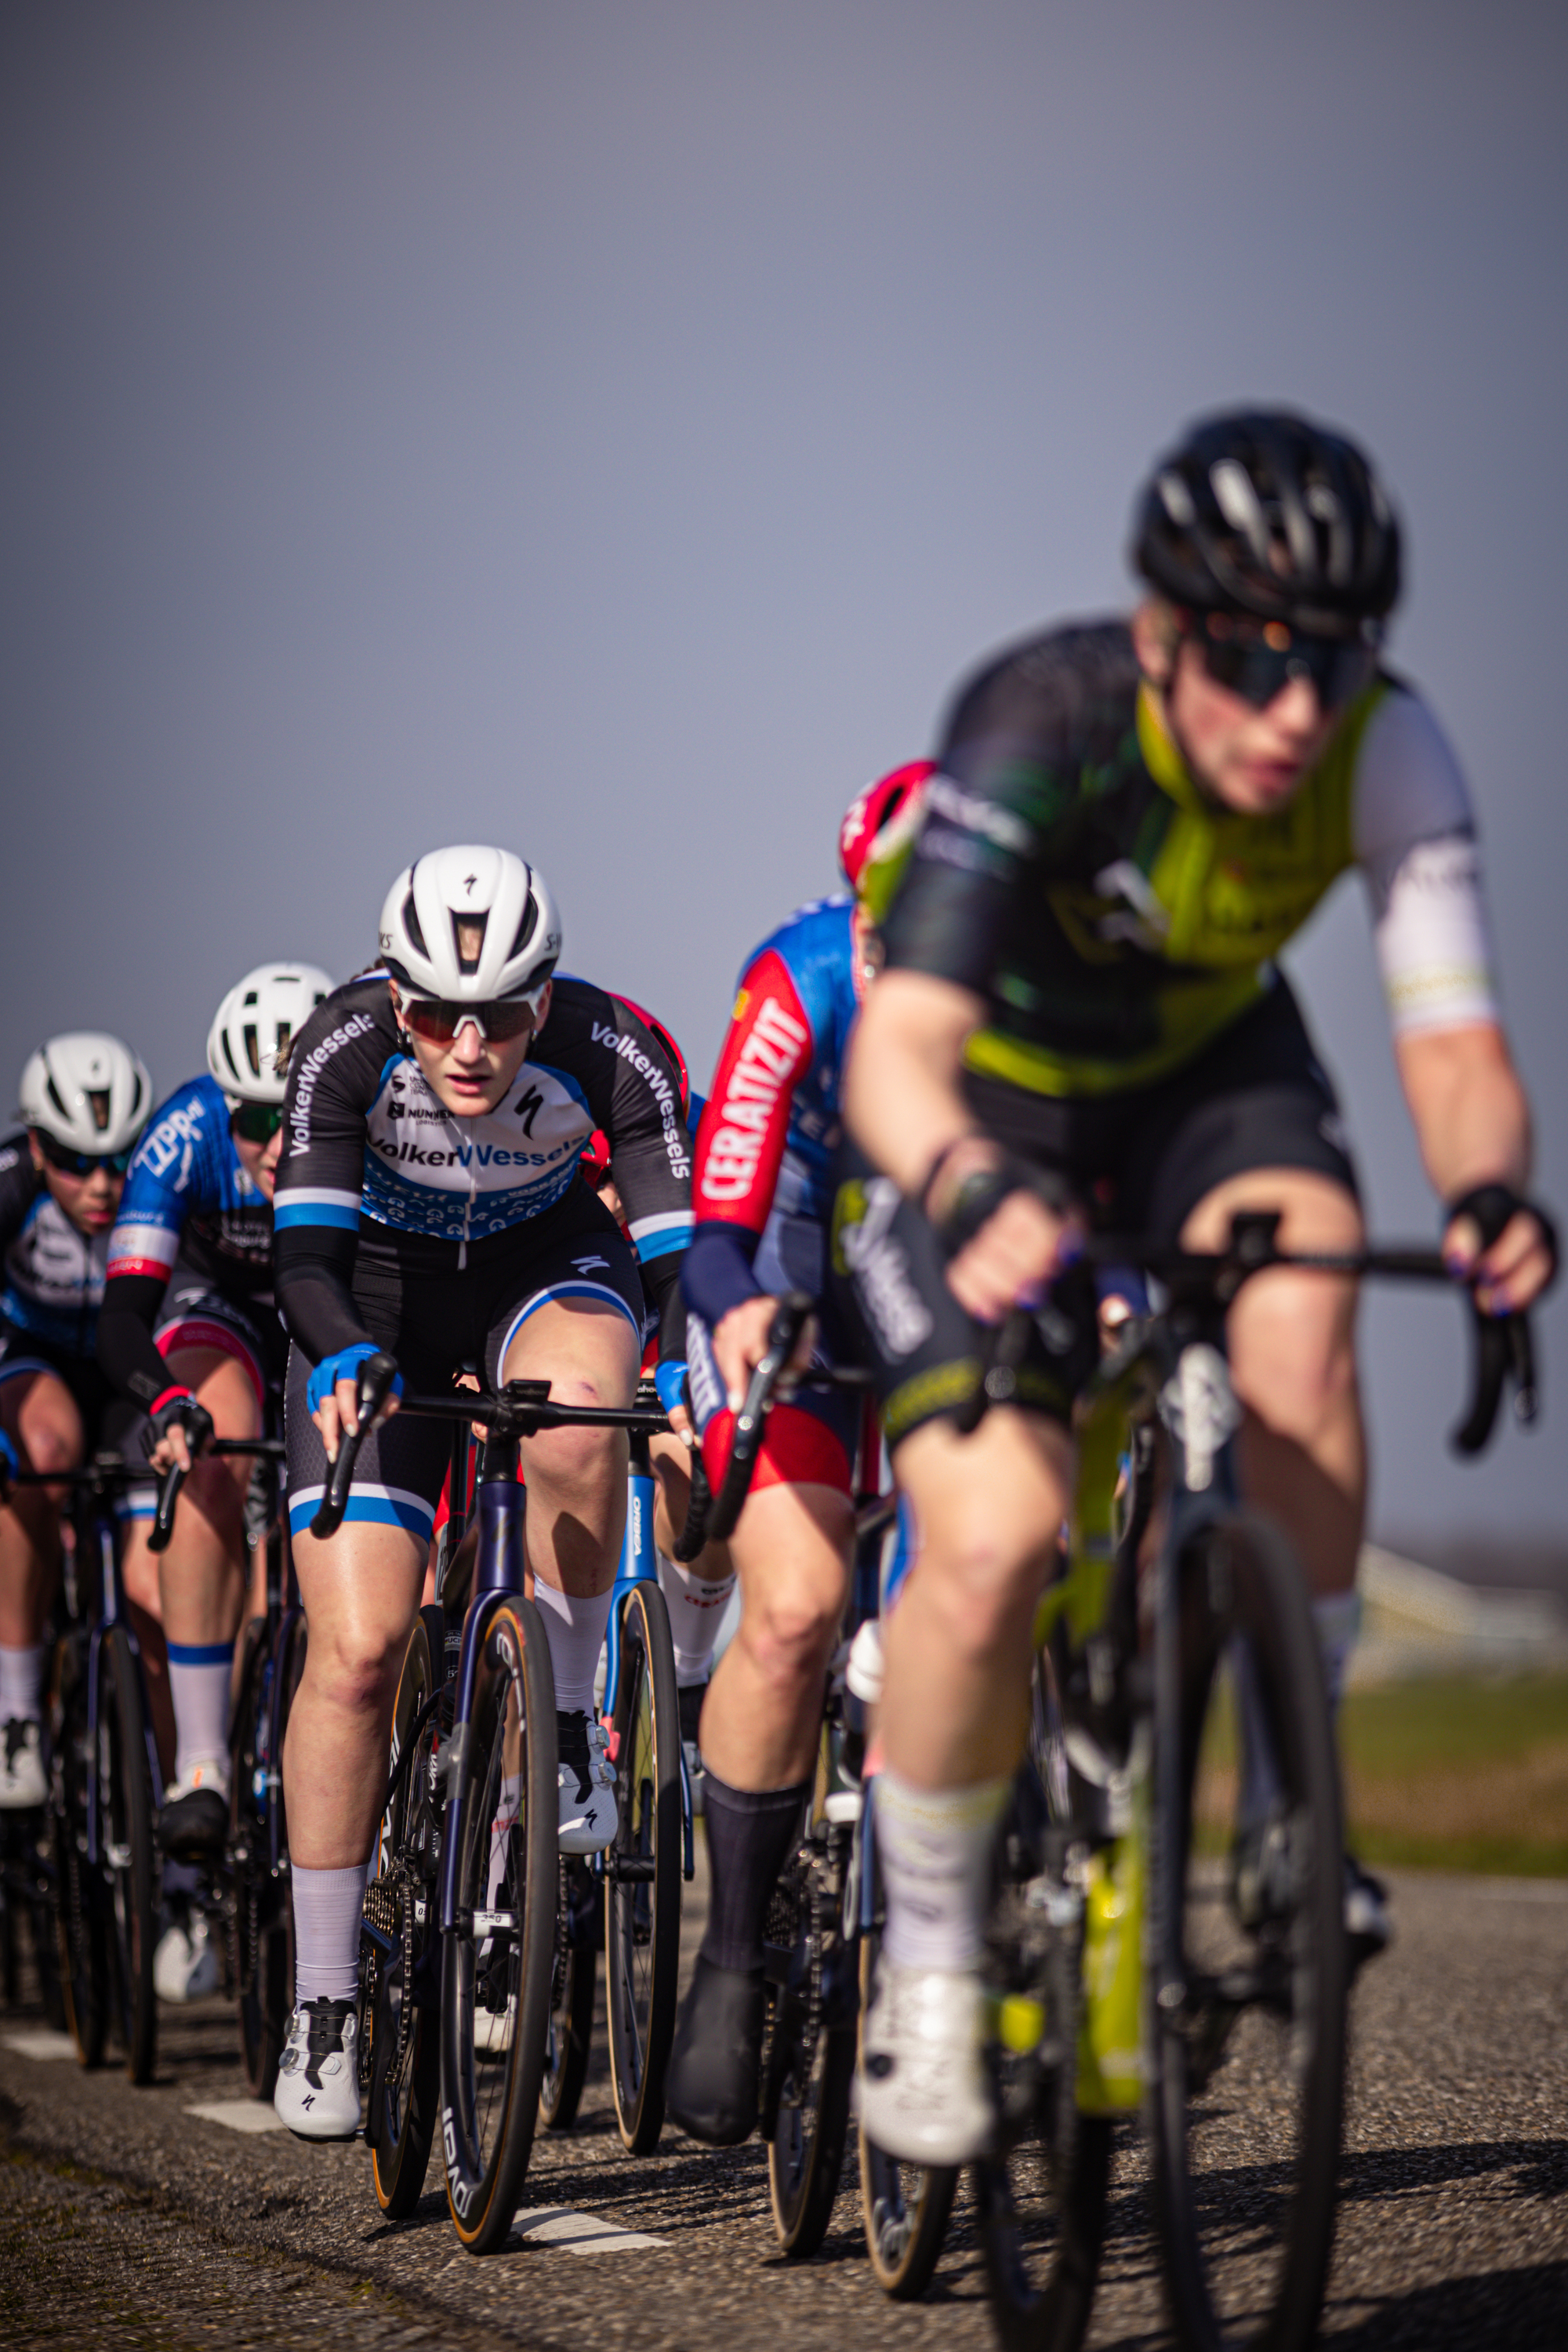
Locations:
(411, 924)
(54, 1095)
(469, 932)
(98, 1102)
(528, 926)
(252, 1037)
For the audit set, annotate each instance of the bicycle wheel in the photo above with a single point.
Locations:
(1042, 2195)
(904, 2208)
(808, 2066)
(642, 1869)
(403, 2038)
(1248, 2032)
(125, 1850)
(496, 1967)
(570, 1994)
(259, 1957)
(81, 1937)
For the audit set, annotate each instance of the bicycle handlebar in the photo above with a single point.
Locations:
(174, 1476)
(372, 1385)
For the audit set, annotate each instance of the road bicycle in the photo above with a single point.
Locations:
(460, 1915)
(1168, 1935)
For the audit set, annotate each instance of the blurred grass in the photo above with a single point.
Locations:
(1459, 1773)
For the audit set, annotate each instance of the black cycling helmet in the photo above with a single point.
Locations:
(1259, 511)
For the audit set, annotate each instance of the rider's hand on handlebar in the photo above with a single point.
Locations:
(1511, 1275)
(181, 1427)
(337, 1416)
(1012, 1259)
(741, 1341)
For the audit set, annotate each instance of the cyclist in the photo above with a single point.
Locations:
(764, 1158)
(189, 1334)
(85, 1100)
(1081, 1004)
(431, 1204)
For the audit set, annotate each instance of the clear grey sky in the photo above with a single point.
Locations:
(611, 429)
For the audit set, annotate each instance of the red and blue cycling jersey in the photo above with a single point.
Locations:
(763, 1189)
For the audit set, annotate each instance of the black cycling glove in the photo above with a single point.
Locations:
(177, 1407)
(1494, 1208)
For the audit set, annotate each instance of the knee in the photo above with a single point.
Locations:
(577, 1465)
(789, 1630)
(981, 1575)
(354, 1666)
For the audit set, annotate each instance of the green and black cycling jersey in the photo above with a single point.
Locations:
(1115, 919)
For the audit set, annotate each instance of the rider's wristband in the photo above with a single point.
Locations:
(982, 1193)
(343, 1366)
(670, 1380)
(9, 1465)
(1494, 1207)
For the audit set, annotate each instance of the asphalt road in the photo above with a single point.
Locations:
(130, 2221)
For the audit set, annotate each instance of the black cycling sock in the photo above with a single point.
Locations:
(751, 1835)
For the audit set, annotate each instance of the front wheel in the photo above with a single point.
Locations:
(809, 2048)
(570, 1994)
(1247, 2020)
(497, 1962)
(81, 1911)
(261, 1962)
(401, 1900)
(124, 1806)
(642, 1869)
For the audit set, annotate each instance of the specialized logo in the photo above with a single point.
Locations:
(767, 1064)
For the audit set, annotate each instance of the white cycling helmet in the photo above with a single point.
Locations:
(89, 1091)
(247, 1044)
(469, 925)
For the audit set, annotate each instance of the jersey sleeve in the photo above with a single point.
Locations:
(142, 1248)
(636, 1100)
(333, 1075)
(1415, 843)
(19, 1186)
(745, 1124)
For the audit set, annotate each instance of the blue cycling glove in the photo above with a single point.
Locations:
(670, 1380)
(343, 1367)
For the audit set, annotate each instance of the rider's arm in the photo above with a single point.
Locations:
(1415, 843)
(334, 1073)
(634, 1096)
(20, 1184)
(142, 1248)
(745, 1126)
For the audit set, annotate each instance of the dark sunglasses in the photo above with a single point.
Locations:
(82, 1163)
(1258, 659)
(255, 1122)
(438, 1022)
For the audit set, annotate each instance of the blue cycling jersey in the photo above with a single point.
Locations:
(188, 1199)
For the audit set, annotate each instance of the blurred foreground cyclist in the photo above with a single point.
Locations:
(431, 1207)
(1081, 1010)
(85, 1100)
(190, 1336)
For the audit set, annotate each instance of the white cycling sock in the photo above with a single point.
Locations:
(696, 1612)
(22, 1684)
(575, 1628)
(1338, 1618)
(934, 1846)
(199, 1678)
(328, 1908)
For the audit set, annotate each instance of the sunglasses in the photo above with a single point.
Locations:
(255, 1122)
(1258, 659)
(82, 1163)
(498, 1021)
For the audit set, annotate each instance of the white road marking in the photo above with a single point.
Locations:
(579, 2234)
(241, 2114)
(41, 2046)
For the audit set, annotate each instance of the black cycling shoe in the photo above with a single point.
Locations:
(1368, 1927)
(192, 1827)
(710, 2090)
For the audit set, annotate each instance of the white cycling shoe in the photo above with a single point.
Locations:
(318, 2074)
(585, 1782)
(22, 1782)
(184, 1966)
(924, 2094)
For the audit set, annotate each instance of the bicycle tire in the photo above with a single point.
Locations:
(403, 2041)
(1041, 2239)
(1241, 1577)
(904, 2208)
(810, 2043)
(257, 1954)
(572, 1991)
(125, 1849)
(642, 1916)
(81, 1935)
(499, 1997)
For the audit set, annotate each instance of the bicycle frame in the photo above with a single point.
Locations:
(639, 1565)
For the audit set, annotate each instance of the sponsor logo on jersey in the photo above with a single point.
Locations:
(626, 1049)
(764, 1067)
(174, 1137)
(359, 1024)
